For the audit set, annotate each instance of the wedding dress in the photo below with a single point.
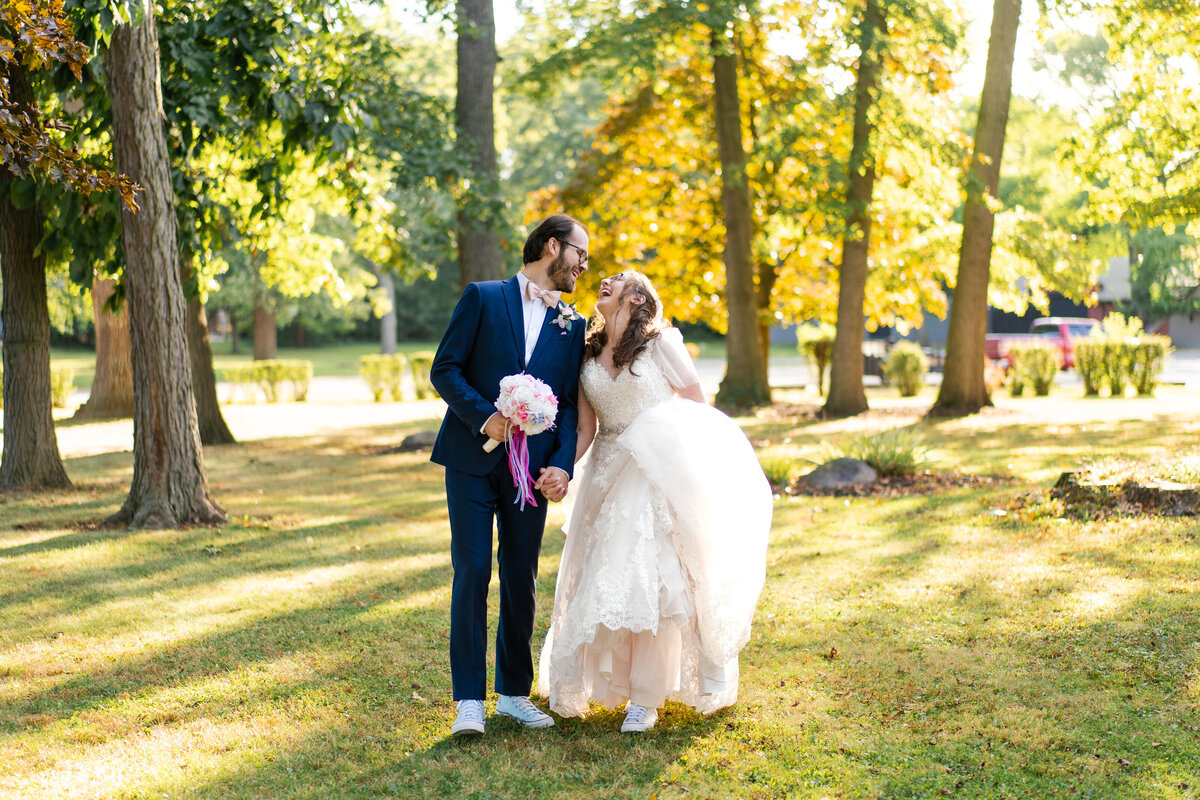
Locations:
(666, 546)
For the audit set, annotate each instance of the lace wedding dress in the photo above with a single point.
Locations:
(666, 546)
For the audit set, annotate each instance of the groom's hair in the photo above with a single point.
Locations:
(555, 226)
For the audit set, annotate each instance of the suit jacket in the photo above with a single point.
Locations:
(484, 343)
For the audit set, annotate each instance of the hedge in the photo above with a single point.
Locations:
(269, 378)
(384, 374)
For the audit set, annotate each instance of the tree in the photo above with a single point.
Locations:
(963, 390)
(112, 387)
(846, 395)
(479, 256)
(745, 383)
(32, 37)
(650, 185)
(170, 484)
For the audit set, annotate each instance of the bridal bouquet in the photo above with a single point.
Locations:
(530, 407)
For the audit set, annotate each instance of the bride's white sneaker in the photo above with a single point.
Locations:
(638, 719)
(470, 718)
(523, 711)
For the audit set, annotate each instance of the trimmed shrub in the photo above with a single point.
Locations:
(815, 342)
(268, 377)
(1089, 363)
(906, 366)
(419, 365)
(1034, 364)
(384, 374)
(1147, 359)
(1118, 361)
(62, 381)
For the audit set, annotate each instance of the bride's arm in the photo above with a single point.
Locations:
(678, 367)
(586, 428)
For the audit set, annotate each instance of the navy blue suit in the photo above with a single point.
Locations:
(484, 343)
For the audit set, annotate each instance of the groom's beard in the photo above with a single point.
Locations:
(561, 276)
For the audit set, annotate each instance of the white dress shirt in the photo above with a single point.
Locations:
(534, 311)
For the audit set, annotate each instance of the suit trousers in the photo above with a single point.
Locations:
(474, 501)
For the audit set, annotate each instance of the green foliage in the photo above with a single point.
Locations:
(1165, 271)
(1089, 363)
(269, 377)
(1119, 355)
(815, 341)
(896, 451)
(384, 374)
(780, 470)
(420, 363)
(62, 380)
(906, 366)
(1033, 364)
(1146, 362)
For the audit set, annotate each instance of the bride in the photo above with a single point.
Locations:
(666, 544)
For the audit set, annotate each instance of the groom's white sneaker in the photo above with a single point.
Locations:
(523, 711)
(470, 718)
(638, 719)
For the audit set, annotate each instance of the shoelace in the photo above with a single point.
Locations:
(472, 712)
(636, 714)
(526, 706)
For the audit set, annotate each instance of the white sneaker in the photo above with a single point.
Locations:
(470, 718)
(523, 711)
(638, 719)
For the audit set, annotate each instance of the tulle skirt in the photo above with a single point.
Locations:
(663, 565)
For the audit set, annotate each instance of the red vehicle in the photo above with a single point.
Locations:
(1059, 331)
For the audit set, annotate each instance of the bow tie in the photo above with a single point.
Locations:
(534, 292)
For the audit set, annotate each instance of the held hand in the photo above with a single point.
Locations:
(552, 483)
(497, 428)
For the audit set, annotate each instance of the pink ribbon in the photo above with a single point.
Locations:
(518, 467)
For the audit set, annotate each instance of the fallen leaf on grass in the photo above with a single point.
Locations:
(418, 698)
(832, 654)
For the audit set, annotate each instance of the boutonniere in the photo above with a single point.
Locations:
(566, 315)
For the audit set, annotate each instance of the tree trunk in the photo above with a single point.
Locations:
(846, 394)
(112, 388)
(169, 485)
(387, 325)
(479, 257)
(233, 335)
(301, 339)
(264, 334)
(213, 429)
(30, 458)
(963, 390)
(745, 382)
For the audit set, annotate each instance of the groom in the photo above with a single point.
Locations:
(501, 328)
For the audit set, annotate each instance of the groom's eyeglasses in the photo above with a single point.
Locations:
(583, 254)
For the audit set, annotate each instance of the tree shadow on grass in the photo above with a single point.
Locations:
(1009, 681)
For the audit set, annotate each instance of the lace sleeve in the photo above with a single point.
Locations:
(675, 361)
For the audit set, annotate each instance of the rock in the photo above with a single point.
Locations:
(421, 440)
(839, 473)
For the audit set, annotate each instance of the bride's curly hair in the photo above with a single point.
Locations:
(645, 322)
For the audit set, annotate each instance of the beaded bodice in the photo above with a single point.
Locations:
(617, 401)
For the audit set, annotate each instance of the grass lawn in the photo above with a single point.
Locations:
(329, 361)
(972, 644)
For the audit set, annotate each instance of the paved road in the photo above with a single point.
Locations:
(1182, 369)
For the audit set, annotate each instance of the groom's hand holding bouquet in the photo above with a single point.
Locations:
(528, 407)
